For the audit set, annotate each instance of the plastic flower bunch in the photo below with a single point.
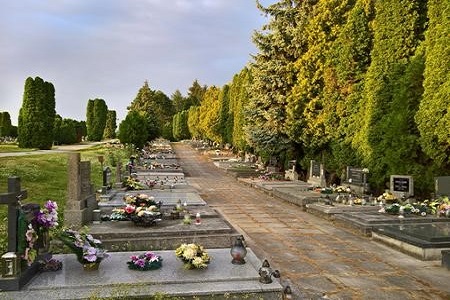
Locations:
(193, 256)
(48, 216)
(144, 262)
(31, 238)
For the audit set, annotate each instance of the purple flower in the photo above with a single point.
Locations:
(133, 257)
(149, 255)
(90, 254)
(51, 206)
(140, 262)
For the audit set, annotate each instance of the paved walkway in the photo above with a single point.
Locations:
(314, 257)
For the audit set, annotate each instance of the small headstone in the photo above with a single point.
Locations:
(107, 177)
(316, 174)
(442, 186)
(402, 186)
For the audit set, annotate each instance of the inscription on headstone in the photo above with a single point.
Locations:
(402, 186)
(315, 168)
(355, 175)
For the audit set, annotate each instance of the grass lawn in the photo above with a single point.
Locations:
(14, 148)
(44, 176)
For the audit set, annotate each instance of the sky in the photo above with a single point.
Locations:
(108, 48)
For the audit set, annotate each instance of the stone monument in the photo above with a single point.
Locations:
(81, 199)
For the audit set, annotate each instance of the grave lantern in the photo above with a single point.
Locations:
(10, 265)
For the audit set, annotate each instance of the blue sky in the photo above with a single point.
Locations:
(107, 48)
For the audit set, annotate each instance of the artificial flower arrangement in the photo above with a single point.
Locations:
(145, 262)
(387, 197)
(132, 183)
(194, 256)
(342, 189)
(440, 207)
(141, 209)
(87, 249)
(37, 231)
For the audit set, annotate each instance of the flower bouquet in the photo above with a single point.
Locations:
(141, 209)
(145, 262)
(193, 256)
(89, 251)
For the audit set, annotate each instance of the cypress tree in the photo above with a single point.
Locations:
(110, 127)
(96, 115)
(434, 111)
(37, 114)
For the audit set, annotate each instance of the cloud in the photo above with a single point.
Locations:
(108, 48)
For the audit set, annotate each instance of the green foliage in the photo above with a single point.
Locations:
(180, 125)
(96, 116)
(434, 111)
(5, 124)
(65, 131)
(37, 114)
(158, 108)
(392, 92)
(193, 122)
(133, 130)
(110, 127)
(209, 122)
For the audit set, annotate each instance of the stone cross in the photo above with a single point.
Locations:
(12, 198)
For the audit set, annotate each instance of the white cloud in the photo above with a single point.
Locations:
(107, 49)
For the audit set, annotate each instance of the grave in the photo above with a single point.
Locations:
(13, 274)
(365, 222)
(316, 174)
(329, 212)
(81, 200)
(442, 186)
(401, 186)
(214, 231)
(220, 279)
(356, 179)
(421, 240)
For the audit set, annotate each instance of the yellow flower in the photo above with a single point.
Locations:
(140, 213)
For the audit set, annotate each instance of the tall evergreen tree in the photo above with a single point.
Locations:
(388, 134)
(133, 130)
(96, 119)
(110, 127)
(37, 114)
(433, 116)
(5, 124)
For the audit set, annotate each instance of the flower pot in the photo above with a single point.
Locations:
(91, 266)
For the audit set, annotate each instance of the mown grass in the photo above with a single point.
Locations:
(44, 176)
(14, 148)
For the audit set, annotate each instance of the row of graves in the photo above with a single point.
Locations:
(420, 228)
(149, 233)
(396, 218)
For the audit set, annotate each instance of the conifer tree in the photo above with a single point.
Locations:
(37, 114)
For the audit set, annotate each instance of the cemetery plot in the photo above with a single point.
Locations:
(422, 240)
(114, 279)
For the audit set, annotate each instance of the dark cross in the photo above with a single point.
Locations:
(12, 198)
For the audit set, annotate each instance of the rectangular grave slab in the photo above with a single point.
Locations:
(114, 279)
(424, 240)
(364, 222)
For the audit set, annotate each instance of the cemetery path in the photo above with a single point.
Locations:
(317, 259)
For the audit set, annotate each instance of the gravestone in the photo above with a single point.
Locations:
(356, 179)
(81, 199)
(106, 178)
(290, 173)
(402, 186)
(317, 174)
(12, 198)
(442, 185)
